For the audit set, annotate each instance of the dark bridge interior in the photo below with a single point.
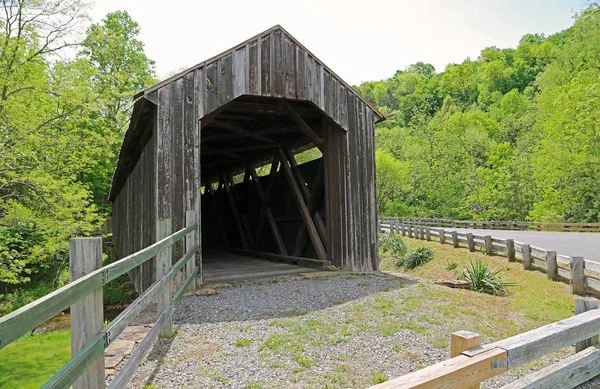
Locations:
(256, 198)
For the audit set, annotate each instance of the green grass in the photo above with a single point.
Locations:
(242, 342)
(30, 361)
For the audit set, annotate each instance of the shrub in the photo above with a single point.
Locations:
(417, 257)
(395, 244)
(485, 280)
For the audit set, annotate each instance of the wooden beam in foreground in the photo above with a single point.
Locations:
(456, 373)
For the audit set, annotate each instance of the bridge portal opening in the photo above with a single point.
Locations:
(263, 192)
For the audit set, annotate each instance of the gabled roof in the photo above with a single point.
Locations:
(274, 29)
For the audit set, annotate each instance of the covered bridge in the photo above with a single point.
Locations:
(216, 143)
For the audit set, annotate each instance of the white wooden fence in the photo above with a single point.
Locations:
(579, 272)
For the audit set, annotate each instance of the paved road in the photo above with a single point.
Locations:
(585, 244)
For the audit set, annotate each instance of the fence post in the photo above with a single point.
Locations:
(455, 238)
(410, 231)
(163, 265)
(526, 249)
(552, 265)
(421, 232)
(428, 233)
(462, 341)
(403, 229)
(87, 315)
(190, 242)
(510, 250)
(577, 275)
(489, 247)
(470, 241)
(584, 305)
(442, 236)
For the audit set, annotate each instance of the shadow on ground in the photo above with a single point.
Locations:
(282, 299)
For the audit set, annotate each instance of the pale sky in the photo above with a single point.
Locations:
(359, 40)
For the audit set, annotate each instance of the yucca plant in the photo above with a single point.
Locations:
(485, 280)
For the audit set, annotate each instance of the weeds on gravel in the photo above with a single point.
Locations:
(242, 342)
(378, 378)
(252, 385)
(303, 360)
(485, 280)
(221, 378)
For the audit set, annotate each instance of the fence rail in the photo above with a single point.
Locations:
(24, 320)
(579, 272)
(474, 364)
(502, 225)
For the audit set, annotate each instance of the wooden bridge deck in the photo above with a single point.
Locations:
(223, 266)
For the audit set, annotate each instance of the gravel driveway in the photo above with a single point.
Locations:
(338, 332)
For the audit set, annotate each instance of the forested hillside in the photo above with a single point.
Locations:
(511, 135)
(66, 89)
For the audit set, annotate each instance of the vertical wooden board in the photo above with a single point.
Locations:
(253, 68)
(189, 128)
(225, 83)
(164, 159)
(289, 68)
(212, 88)
(321, 76)
(240, 71)
(372, 172)
(301, 72)
(313, 81)
(177, 176)
(200, 92)
(358, 193)
(277, 63)
(343, 105)
(328, 94)
(265, 65)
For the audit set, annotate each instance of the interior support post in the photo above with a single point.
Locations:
(312, 230)
(237, 201)
(234, 211)
(208, 191)
(269, 214)
(263, 215)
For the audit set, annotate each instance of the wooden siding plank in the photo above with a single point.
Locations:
(265, 64)
(277, 62)
(301, 74)
(289, 68)
(225, 77)
(240, 71)
(212, 88)
(163, 155)
(254, 68)
(177, 151)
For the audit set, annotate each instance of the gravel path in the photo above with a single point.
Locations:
(318, 333)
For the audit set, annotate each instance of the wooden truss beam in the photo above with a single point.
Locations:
(304, 212)
(306, 129)
(267, 209)
(240, 131)
(314, 203)
(239, 149)
(266, 109)
(270, 131)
